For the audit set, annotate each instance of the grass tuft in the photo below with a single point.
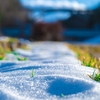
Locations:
(62, 95)
(32, 74)
(88, 55)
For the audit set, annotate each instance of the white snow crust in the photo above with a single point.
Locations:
(57, 72)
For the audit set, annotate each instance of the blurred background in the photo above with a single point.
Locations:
(51, 20)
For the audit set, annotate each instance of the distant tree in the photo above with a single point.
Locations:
(11, 10)
(47, 31)
(13, 14)
(1, 15)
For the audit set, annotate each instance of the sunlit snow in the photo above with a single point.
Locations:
(58, 75)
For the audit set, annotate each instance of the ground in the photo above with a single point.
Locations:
(51, 73)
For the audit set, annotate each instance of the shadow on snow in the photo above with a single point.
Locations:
(67, 86)
(7, 67)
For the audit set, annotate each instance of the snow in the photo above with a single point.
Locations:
(58, 75)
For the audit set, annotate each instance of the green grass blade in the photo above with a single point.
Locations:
(32, 74)
(62, 95)
(93, 75)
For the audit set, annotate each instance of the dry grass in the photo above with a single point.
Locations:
(9, 45)
(89, 56)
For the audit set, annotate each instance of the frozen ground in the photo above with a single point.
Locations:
(58, 75)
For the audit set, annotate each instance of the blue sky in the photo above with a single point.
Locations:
(89, 4)
(55, 4)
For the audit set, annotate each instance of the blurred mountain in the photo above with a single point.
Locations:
(76, 21)
(89, 19)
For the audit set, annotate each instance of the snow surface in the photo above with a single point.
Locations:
(58, 75)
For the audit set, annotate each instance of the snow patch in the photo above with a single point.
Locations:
(58, 75)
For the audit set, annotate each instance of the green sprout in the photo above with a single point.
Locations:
(77, 54)
(93, 73)
(15, 53)
(32, 74)
(97, 77)
(88, 64)
(21, 59)
(62, 95)
(1, 56)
